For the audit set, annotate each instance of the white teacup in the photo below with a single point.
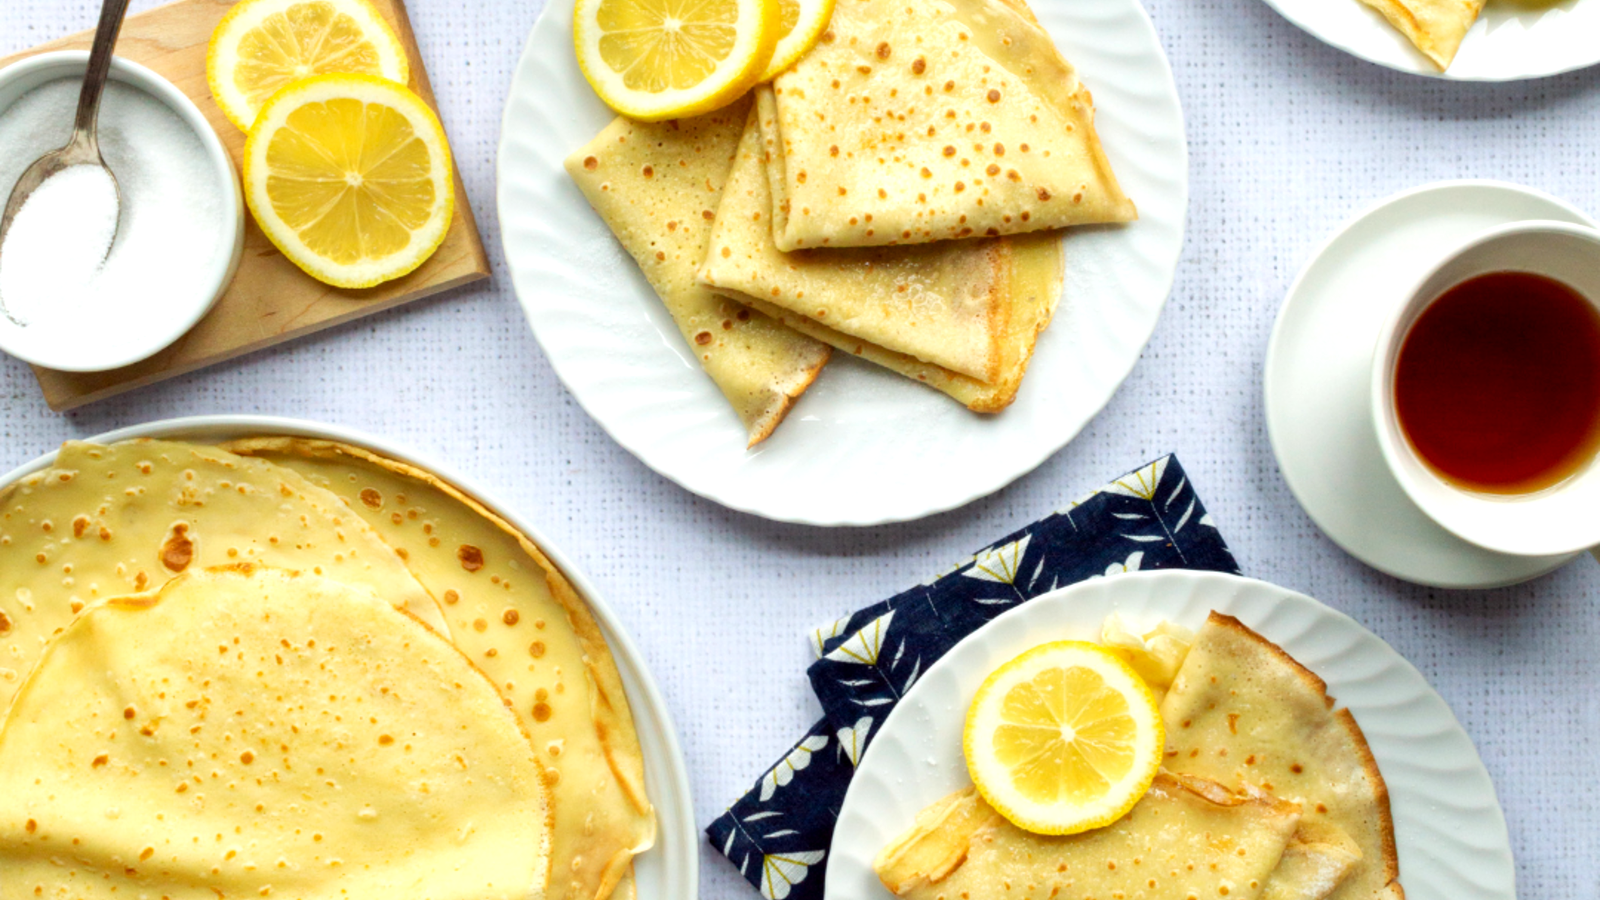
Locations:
(1559, 519)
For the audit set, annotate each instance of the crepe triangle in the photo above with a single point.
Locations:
(657, 186)
(978, 304)
(1244, 713)
(1436, 27)
(925, 120)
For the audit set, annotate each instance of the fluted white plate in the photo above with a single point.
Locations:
(669, 870)
(1448, 825)
(1512, 40)
(862, 446)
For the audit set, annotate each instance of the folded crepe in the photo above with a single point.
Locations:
(973, 308)
(248, 732)
(1436, 27)
(1186, 838)
(657, 186)
(1244, 713)
(112, 520)
(519, 619)
(925, 120)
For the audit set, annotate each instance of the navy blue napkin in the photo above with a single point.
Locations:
(778, 834)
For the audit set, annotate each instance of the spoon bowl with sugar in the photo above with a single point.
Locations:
(92, 182)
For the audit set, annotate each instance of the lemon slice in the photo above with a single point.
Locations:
(349, 175)
(263, 46)
(666, 59)
(800, 25)
(1064, 738)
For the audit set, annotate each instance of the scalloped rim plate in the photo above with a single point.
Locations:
(612, 344)
(1449, 827)
(1511, 41)
(670, 869)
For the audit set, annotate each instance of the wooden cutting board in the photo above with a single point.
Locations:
(270, 300)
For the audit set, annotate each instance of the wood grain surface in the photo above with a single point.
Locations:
(270, 300)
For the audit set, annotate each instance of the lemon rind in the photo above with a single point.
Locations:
(246, 15)
(425, 242)
(1127, 793)
(797, 43)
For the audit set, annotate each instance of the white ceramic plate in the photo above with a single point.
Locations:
(668, 871)
(863, 446)
(1449, 828)
(1512, 39)
(1318, 375)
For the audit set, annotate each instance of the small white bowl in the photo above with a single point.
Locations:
(1559, 519)
(17, 80)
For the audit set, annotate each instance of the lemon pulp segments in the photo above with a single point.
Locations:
(1067, 736)
(351, 178)
(658, 45)
(1064, 738)
(663, 59)
(262, 46)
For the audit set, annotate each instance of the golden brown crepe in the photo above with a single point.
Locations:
(105, 521)
(1244, 713)
(1436, 27)
(657, 186)
(518, 619)
(925, 120)
(1187, 838)
(944, 303)
(248, 732)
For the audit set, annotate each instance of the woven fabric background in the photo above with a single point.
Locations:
(1288, 138)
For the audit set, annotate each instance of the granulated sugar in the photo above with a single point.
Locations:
(57, 242)
(169, 232)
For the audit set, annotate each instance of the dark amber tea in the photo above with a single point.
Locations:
(1498, 383)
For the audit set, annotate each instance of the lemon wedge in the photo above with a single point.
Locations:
(667, 59)
(800, 26)
(349, 176)
(262, 46)
(1064, 738)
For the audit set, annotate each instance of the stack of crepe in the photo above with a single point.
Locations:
(898, 194)
(1266, 792)
(297, 668)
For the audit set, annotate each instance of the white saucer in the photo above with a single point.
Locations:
(1318, 370)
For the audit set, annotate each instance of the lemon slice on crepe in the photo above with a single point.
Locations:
(349, 176)
(263, 46)
(668, 59)
(1064, 738)
(800, 25)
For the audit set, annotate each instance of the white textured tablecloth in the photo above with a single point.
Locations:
(1287, 139)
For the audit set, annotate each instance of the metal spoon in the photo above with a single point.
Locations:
(83, 148)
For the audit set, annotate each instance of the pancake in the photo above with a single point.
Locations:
(1186, 838)
(1436, 27)
(926, 120)
(1242, 712)
(944, 303)
(246, 731)
(519, 620)
(112, 520)
(657, 186)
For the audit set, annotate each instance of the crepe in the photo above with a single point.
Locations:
(1242, 712)
(925, 120)
(657, 186)
(1186, 838)
(1436, 27)
(519, 620)
(112, 520)
(247, 732)
(973, 308)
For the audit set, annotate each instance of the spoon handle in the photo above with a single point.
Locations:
(94, 79)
